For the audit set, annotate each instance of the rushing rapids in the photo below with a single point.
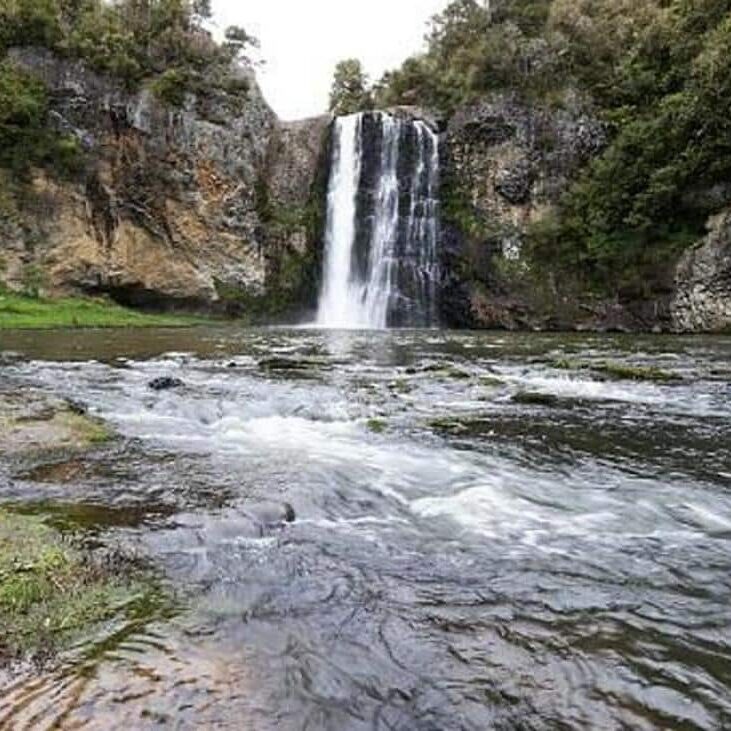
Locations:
(485, 537)
(381, 258)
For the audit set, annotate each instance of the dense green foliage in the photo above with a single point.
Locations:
(657, 72)
(25, 138)
(130, 39)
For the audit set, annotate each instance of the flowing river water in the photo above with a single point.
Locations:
(484, 537)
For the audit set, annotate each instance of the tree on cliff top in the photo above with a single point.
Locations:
(132, 40)
(160, 43)
(350, 93)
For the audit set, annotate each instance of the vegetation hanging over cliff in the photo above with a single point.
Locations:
(657, 72)
(129, 39)
(162, 43)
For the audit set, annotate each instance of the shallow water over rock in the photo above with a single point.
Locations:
(484, 537)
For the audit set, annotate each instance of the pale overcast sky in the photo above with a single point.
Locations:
(302, 41)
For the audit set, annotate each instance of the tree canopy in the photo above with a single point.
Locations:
(350, 92)
(162, 43)
(130, 39)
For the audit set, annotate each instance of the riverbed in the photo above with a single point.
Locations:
(491, 530)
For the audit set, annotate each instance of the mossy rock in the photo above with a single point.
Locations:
(35, 422)
(457, 374)
(400, 386)
(52, 590)
(456, 427)
(377, 426)
(625, 372)
(618, 371)
(566, 364)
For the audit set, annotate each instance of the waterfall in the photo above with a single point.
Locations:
(381, 242)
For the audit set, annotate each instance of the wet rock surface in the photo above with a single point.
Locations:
(165, 383)
(702, 301)
(32, 421)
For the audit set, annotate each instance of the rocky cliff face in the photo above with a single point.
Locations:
(216, 205)
(505, 166)
(702, 298)
(176, 206)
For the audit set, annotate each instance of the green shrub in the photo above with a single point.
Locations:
(34, 281)
(171, 87)
(29, 23)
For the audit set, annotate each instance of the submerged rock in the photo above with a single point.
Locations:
(35, 422)
(530, 398)
(289, 514)
(268, 517)
(9, 357)
(165, 383)
(77, 407)
(284, 364)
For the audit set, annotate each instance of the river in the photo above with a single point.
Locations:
(492, 530)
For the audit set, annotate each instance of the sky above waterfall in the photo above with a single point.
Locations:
(302, 41)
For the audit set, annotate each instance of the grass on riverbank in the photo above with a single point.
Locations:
(52, 591)
(26, 313)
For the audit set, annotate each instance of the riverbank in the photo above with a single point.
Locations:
(28, 313)
(52, 590)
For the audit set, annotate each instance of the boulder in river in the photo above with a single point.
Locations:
(165, 383)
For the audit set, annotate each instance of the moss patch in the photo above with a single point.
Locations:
(620, 371)
(636, 373)
(491, 381)
(52, 591)
(22, 312)
(34, 422)
(377, 426)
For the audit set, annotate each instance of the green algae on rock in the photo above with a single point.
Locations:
(33, 422)
(52, 590)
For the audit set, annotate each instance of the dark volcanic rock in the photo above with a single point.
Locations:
(165, 383)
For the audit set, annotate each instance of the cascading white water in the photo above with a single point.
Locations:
(338, 303)
(381, 258)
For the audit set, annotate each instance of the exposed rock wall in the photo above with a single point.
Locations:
(218, 205)
(292, 204)
(505, 165)
(702, 300)
(174, 206)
